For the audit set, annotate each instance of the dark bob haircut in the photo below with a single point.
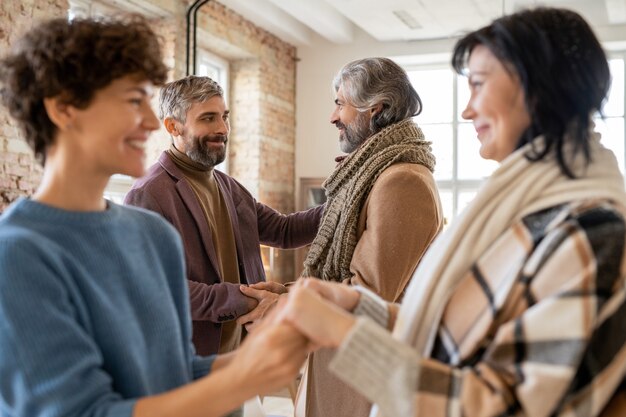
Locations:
(72, 60)
(562, 68)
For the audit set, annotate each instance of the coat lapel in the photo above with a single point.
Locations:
(190, 200)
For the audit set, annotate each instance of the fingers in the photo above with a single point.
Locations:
(271, 357)
(247, 318)
(322, 322)
(340, 294)
(266, 301)
(251, 292)
(251, 326)
(274, 287)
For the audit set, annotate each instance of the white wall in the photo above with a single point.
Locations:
(316, 138)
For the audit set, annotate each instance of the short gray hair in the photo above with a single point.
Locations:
(177, 96)
(372, 81)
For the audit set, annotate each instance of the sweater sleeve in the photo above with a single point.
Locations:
(402, 219)
(551, 355)
(372, 306)
(49, 366)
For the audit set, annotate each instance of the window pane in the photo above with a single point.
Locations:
(435, 89)
(612, 131)
(463, 95)
(208, 70)
(441, 138)
(614, 106)
(471, 165)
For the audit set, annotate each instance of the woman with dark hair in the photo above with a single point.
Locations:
(93, 296)
(519, 308)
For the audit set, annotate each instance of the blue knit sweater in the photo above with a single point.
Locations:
(94, 311)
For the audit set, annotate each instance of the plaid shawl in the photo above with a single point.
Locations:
(518, 309)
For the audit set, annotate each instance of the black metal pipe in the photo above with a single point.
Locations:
(192, 10)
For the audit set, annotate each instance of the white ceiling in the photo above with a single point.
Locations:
(300, 22)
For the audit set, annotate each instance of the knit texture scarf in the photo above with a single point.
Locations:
(517, 188)
(347, 189)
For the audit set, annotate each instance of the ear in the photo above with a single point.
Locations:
(60, 113)
(172, 126)
(376, 109)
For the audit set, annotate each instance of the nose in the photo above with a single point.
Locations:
(223, 127)
(468, 113)
(150, 121)
(334, 116)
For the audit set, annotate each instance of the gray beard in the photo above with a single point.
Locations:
(355, 134)
(201, 154)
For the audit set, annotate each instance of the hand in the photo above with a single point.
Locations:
(251, 304)
(271, 286)
(264, 299)
(339, 294)
(324, 323)
(270, 358)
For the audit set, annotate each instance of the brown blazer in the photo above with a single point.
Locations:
(400, 218)
(165, 190)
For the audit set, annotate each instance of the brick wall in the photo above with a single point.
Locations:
(262, 101)
(19, 171)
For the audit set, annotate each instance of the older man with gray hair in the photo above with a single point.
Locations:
(221, 224)
(382, 212)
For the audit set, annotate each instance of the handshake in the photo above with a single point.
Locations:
(285, 326)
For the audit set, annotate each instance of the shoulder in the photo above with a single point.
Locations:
(591, 217)
(231, 185)
(15, 229)
(156, 177)
(405, 178)
(145, 222)
(589, 235)
(25, 251)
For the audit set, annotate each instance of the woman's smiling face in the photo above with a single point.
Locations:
(496, 106)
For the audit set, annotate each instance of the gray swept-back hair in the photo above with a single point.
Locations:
(369, 82)
(177, 96)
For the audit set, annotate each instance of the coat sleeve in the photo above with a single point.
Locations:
(402, 217)
(560, 352)
(287, 231)
(217, 302)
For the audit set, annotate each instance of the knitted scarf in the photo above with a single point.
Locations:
(347, 189)
(516, 189)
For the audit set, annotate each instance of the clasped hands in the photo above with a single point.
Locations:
(319, 310)
(312, 314)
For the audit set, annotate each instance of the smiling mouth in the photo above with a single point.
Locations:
(481, 130)
(216, 142)
(137, 144)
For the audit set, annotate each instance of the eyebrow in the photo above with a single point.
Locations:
(212, 113)
(140, 90)
(337, 102)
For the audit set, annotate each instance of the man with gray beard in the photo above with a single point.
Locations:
(220, 223)
(382, 210)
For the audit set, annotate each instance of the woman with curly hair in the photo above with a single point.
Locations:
(93, 296)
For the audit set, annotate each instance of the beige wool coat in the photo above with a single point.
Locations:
(400, 218)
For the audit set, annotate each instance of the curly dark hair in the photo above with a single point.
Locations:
(562, 68)
(72, 60)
